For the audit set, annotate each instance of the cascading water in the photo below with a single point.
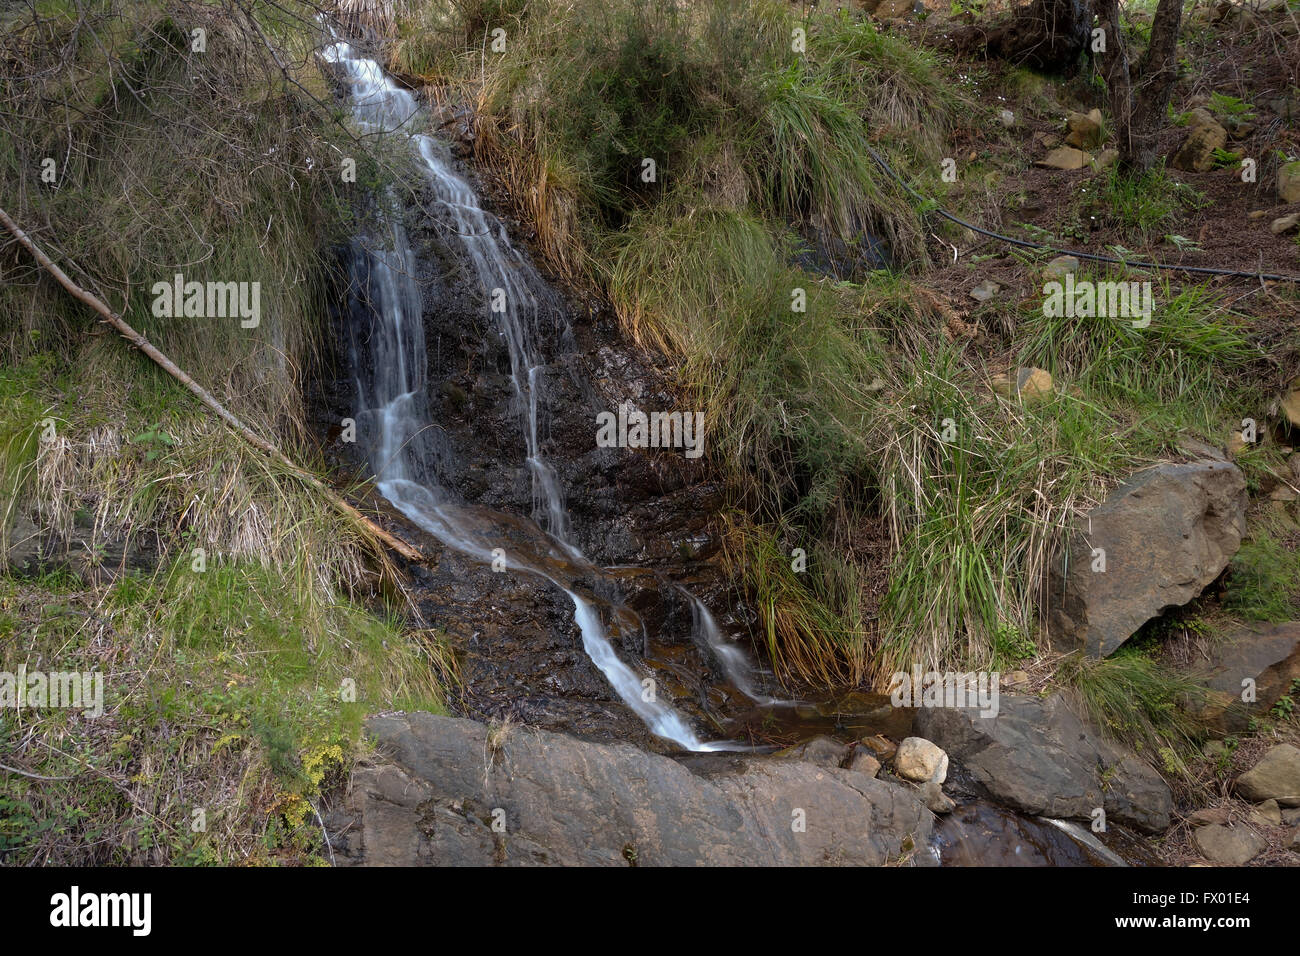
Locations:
(394, 418)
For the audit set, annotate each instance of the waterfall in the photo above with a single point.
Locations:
(393, 417)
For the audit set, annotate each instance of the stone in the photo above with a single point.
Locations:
(893, 9)
(1197, 152)
(985, 291)
(1267, 814)
(863, 762)
(1288, 182)
(1257, 214)
(1199, 116)
(1085, 130)
(430, 795)
(1105, 159)
(1064, 157)
(936, 801)
(1275, 777)
(821, 751)
(1039, 756)
(1291, 404)
(1212, 749)
(1209, 815)
(1156, 542)
(1294, 844)
(1015, 678)
(1231, 845)
(1284, 224)
(882, 747)
(921, 760)
(1268, 654)
(1060, 267)
(1291, 815)
(1195, 448)
(1028, 384)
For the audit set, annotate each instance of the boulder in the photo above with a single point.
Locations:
(1064, 157)
(920, 760)
(1231, 845)
(1267, 654)
(1267, 814)
(1288, 182)
(1039, 756)
(1153, 544)
(438, 793)
(1197, 152)
(1275, 777)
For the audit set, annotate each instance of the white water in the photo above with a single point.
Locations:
(394, 407)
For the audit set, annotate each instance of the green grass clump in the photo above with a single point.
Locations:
(1263, 581)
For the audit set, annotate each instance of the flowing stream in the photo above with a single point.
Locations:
(393, 415)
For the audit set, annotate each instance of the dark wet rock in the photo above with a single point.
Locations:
(1268, 655)
(1037, 755)
(1166, 533)
(81, 549)
(438, 785)
(1275, 777)
(821, 751)
(1231, 845)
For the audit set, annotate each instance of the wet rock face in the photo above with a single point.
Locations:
(1163, 536)
(1040, 757)
(432, 797)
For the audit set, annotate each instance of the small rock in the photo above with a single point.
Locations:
(1197, 152)
(1208, 815)
(1007, 118)
(822, 751)
(936, 801)
(1064, 157)
(920, 760)
(1213, 748)
(984, 291)
(1195, 448)
(882, 747)
(1295, 840)
(1284, 224)
(1291, 404)
(1028, 384)
(1288, 182)
(1104, 159)
(893, 9)
(1275, 776)
(1085, 129)
(1267, 814)
(1231, 845)
(1060, 266)
(1199, 116)
(1257, 214)
(1291, 816)
(1015, 677)
(863, 762)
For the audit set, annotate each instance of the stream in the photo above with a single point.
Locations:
(518, 583)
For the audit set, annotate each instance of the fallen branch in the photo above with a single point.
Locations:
(363, 523)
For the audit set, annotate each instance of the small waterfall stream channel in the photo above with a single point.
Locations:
(474, 385)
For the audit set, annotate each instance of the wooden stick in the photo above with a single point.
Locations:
(206, 397)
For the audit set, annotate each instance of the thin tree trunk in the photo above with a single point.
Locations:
(1139, 98)
(363, 523)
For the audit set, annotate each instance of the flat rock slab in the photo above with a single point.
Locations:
(1039, 756)
(440, 794)
(1161, 538)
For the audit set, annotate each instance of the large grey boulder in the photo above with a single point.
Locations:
(1275, 777)
(439, 784)
(1163, 536)
(1039, 756)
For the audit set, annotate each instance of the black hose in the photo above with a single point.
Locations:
(1095, 257)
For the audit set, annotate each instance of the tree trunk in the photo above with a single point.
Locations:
(1139, 96)
(1046, 35)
